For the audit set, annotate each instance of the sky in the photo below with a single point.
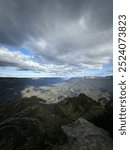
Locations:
(55, 38)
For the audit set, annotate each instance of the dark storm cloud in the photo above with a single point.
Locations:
(60, 32)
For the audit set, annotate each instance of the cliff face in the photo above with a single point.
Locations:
(30, 124)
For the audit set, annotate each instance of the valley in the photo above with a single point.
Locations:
(56, 113)
(100, 89)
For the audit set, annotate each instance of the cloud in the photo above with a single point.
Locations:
(19, 60)
(22, 61)
(66, 35)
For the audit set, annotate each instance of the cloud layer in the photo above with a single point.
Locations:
(63, 35)
(24, 62)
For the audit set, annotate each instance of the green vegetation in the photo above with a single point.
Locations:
(30, 124)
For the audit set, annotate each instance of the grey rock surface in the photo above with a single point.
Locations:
(83, 135)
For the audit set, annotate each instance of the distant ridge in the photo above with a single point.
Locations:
(92, 77)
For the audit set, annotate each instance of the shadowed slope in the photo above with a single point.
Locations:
(29, 123)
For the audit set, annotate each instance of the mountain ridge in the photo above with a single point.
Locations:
(31, 124)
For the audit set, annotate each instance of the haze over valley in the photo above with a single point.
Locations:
(98, 88)
(53, 90)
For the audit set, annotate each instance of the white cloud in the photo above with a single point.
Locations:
(64, 37)
(25, 62)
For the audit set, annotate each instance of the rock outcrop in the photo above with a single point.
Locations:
(83, 135)
(30, 124)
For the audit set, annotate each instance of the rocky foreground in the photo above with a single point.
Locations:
(76, 123)
(84, 135)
